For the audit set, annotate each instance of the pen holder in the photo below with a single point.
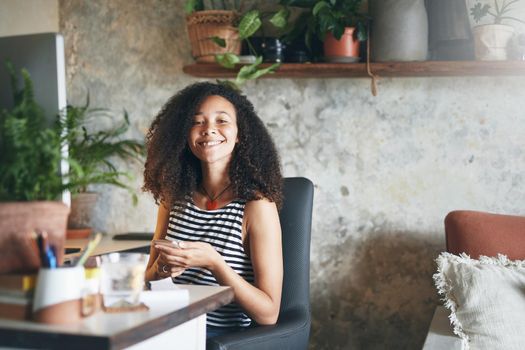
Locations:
(58, 297)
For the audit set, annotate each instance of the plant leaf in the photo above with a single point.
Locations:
(193, 5)
(249, 24)
(253, 71)
(219, 41)
(231, 84)
(361, 31)
(338, 31)
(299, 3)
(280, 19)
(227, 60)
(478, 11)
(320, 6)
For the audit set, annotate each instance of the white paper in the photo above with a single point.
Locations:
(164, 284)
(159, 300)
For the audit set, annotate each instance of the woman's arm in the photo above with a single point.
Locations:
(262, 300)
(154, 269)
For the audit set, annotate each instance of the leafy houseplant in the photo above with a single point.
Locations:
(335, 15)
(245, 23)
(491, 40)
(29, 150)
(30, 181)
(92, 153)
(329, 22)
(500, 12)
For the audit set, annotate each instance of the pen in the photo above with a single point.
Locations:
(41, 241)
(34, 245)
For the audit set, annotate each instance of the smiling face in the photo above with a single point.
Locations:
(213, 135)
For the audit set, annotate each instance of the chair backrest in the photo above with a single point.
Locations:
(479, 233)
(296, 223)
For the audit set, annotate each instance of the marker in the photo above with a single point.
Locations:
(51, 257)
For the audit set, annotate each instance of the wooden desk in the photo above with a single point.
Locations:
(169, 326)
(106, 245)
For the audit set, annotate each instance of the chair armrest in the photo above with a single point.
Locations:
(290, 332)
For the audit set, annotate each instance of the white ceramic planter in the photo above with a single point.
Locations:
(491, 40)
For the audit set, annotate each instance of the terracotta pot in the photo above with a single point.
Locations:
(345, 49)
(82, 205)
(491, 40)
(18, 222)
(204, 25)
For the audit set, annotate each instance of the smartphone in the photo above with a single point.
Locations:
(172, 241)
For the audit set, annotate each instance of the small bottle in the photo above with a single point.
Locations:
(92, 298)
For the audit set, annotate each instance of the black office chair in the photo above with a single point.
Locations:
(293, 326)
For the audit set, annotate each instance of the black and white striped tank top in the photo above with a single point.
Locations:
(222, 228)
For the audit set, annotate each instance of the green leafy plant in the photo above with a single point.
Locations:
(335, 15)
(250, 21)
(316, 18)
(249, 72)
(93, 151)
(201, 5)
(29, 149)
(303, 26)
(248, 26)
(499, 12)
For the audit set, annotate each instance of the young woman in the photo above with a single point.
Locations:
(213, 169)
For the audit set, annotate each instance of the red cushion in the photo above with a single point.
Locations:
(478, 233)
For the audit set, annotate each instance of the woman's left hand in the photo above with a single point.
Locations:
(190, 254)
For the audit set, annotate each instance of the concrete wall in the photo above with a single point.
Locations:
(28, 17)
(387, 169)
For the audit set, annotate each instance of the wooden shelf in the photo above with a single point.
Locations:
(388, 69)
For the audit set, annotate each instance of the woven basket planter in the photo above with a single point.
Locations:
(18, 220)
(203, 25)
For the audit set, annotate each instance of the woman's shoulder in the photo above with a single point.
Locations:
(259, 205)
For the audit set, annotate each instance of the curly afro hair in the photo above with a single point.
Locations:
(173, 172)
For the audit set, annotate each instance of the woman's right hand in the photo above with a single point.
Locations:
(164, 267)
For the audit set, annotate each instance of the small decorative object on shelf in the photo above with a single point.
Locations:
(271, 49)
(491, 40)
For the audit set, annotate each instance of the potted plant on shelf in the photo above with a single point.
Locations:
(217, 40)
(341, 26)
(92, 150)
(338, 26)
(491, 40)
(30, 180)
(212, 30)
